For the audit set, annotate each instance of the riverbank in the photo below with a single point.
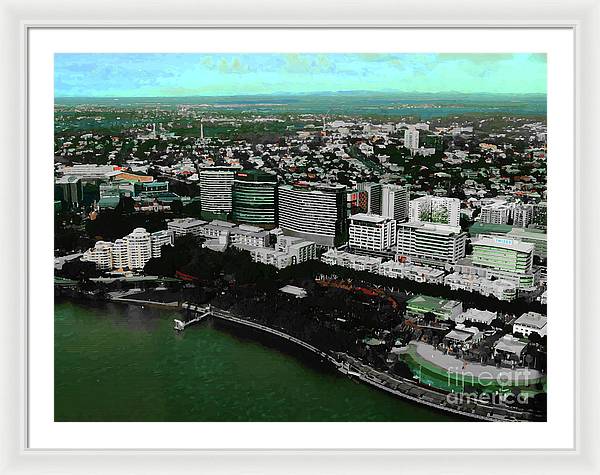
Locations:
(404, 388)
(401, 387)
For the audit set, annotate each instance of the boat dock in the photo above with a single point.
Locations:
(201, 311)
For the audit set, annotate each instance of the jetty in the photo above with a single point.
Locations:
(201, 311)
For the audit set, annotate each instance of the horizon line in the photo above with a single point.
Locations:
(309, 93)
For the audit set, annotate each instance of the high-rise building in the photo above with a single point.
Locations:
(315, 212)
(411, 139)
(374, 196)
(503, 254)
(100, 254)
(498, 212)
(394, 202)
(139, 248)
(131, 252)
(523, 215)
(69, 189)
(435, 209)
(371, 232)
(540, 214)
(430, 243)
(160, 239)
(254, 197)
(216, 188)
(357, 201)
(120, 258)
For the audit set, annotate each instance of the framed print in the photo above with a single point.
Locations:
(252, 242)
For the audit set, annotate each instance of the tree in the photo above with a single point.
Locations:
(79, 270)
(535, 338)
(177, 207)
(125, 206)
(194, 209)
(497, 323)
(428, 318)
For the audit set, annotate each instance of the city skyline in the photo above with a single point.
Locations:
(180, 75)
(401, 238)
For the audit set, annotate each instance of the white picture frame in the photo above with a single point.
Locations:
(18, 18)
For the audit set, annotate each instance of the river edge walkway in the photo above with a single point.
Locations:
(402, 387)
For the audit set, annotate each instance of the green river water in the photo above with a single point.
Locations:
(116, 362)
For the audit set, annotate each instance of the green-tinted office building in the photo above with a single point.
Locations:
(503, 254)
(254, 197)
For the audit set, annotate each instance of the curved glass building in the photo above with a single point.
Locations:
(254, 197)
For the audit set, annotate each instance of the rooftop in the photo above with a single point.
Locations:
(67, 179)
(525, 233)
(438, 228)
(186, 222)
(510, 344)
(371, 218)
(298, 292)
(458, 335)
(255, 176)
(483, 316)
(430, 304)
(503, 243)
(532, 319)
(313, 187)
(223, 224)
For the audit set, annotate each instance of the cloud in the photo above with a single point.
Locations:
(214, 74)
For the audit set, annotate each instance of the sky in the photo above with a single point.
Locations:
(191, 74)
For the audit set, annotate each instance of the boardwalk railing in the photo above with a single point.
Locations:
(225, 315)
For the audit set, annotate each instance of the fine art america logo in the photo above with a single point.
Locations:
(505, 383)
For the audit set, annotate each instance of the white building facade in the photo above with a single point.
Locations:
(186, 226)
(435, 209)
(131, 252)
(431, 243)
(394, 202)
(313, 212)
(216, 188)
(411, 139)
(371, 232)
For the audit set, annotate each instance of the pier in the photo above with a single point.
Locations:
(204, 312)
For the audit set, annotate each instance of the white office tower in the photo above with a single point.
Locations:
(435, 209)
(371, 232)
(430, 243)
(394, 202)
(522, 215)
(216, 185)
(315, 212)
(139, 248)
(498, 212)
(411, 139)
